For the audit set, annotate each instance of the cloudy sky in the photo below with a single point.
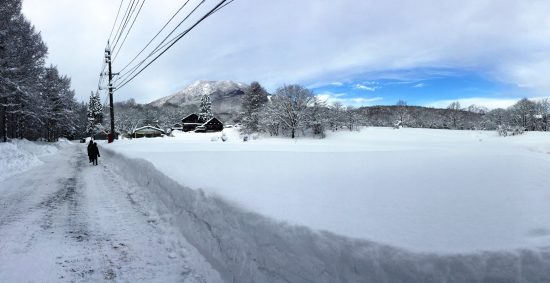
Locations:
(358, 52)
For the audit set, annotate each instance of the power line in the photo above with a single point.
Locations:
(129, 29)
(150, 41)
(123, 24)
(223, 6)
(213, 10)
(160, 45)
(114, 24)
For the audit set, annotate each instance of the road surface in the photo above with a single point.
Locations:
(69, 221)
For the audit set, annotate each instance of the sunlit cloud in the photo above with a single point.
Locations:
(344, 99)
(319, 41)
(366, 87)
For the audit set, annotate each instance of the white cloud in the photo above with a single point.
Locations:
(331, 98)
(316, 41)
(419, 85)
(366, 87)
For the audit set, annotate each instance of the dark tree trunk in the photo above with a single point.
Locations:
(4, 124)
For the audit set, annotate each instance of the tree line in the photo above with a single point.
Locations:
(293, 110)
(36, 101)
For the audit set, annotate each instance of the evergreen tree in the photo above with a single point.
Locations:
(35, 101)
(205, 113)
(94, 114)
(254, 99)
(22, 55)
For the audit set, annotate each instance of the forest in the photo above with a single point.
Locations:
(36, 101)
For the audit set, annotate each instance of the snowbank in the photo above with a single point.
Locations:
(20, 155)
(424, 190)
(247, 247)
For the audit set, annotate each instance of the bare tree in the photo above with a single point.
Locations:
(402, 113)
(454, 113)
(289, 105)
(523, 113)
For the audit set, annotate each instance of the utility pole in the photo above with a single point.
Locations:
(111, 111)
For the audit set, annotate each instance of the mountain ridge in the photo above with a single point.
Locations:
(224, 95)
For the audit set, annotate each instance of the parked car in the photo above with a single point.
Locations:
(200, 129)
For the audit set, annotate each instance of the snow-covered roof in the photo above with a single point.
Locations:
(189, 115)
(211, 120)
(148, 129)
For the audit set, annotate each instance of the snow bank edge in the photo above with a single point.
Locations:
(246, 247)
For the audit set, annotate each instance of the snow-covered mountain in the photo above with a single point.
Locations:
(226, 96)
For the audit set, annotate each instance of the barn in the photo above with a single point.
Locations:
(190, 122)
(213, 125)
(147, 132)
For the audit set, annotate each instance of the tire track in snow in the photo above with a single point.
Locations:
(174, 251)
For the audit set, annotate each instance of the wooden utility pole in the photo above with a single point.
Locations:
(111, 111)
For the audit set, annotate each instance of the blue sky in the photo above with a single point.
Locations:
(425, 87)
(427, 52)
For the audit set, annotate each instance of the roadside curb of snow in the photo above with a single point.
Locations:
(247, 247)
(17, 156)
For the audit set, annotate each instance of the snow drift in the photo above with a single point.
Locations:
(422, 190)
(20, 155)
(247, 247)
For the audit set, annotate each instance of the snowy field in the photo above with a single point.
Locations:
(423, 190)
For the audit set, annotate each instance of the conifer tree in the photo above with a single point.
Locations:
(254, 99)
(94, 114)
(205, 113)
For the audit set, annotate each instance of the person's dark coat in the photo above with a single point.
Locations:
(95, 151)
(90, 145)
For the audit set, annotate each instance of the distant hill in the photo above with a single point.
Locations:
(226, 97)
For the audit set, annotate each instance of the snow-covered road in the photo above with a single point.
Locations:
(124, 221)
(69, 221)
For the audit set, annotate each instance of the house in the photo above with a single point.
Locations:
(148, 132)
(213, 125)
(190, 122)
(193, 122)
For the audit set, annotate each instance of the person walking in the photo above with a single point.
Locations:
(95, 153)
(90, 145)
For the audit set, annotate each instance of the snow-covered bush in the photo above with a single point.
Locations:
(517, 130)
(397, 124)
(510, 131)
(224, 137)
(502, 131)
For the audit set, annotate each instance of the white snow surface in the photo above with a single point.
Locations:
(423, 190)
(20, 155)
(69, 221)
(126, 221)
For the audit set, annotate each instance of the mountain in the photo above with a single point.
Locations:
(226, 97)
